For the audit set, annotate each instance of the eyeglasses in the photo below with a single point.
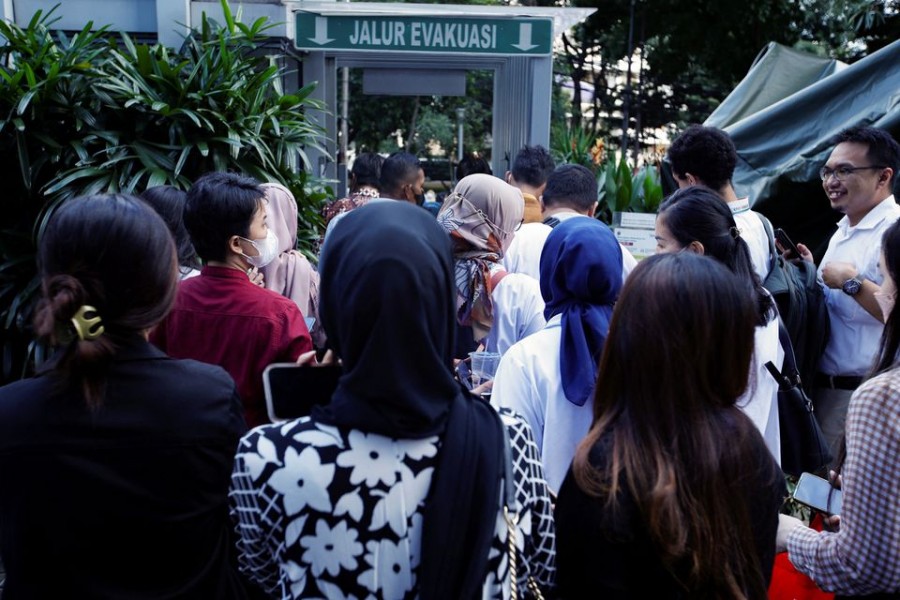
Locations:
(841, 173)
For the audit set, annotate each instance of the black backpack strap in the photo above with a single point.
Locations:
(789, 368)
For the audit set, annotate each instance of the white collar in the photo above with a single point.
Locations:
(740, 205)
(872, 219)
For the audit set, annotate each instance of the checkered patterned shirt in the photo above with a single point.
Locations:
(864, 556)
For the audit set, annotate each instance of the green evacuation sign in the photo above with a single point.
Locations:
(445, 35)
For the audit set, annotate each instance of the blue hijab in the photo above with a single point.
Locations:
(581, 277)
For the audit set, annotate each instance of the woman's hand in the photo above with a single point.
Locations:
(309, 359)
(483, 388)
(786, 524)
(835, 480)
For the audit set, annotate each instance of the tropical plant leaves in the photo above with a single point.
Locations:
(92, 113)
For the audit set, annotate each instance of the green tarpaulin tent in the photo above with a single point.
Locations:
(781, 117)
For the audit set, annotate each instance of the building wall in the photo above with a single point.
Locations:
(168, 20)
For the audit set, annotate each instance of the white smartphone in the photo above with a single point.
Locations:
(818, 493)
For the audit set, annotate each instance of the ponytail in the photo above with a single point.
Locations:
(88, 351)
(108, 268)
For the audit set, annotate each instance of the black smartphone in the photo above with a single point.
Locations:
(786, 242)
(464, 373)
(292, 391)
(818, 493)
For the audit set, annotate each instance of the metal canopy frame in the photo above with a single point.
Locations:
(522, 84)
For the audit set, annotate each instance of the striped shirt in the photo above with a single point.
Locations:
(864, 556)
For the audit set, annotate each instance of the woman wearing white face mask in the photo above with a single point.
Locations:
(290, 273)
(862, 558)
(221, 317)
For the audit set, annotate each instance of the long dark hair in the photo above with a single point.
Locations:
(168, 201)
(890, 338)
(697, 213)
(678, 444)
(111, 252)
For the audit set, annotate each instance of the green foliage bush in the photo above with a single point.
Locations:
(96, 112)
(621, 188)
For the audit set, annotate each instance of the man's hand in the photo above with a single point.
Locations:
(805, 254)
(256, 277)
(834, 274)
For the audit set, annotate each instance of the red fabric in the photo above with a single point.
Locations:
(223, 319)
(790, 584)
(497, 277)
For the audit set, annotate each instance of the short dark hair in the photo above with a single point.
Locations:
(706, 153)
(168, 202)
(472, 163)
(532, 166)
(571, 185)
(367, 169)
(399, 169)
(218, 206)
(884, 151)
(115, 254)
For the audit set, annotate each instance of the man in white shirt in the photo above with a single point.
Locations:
(858, 178)
(571, 191)
(706, 156)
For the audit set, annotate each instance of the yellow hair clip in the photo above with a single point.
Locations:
(88, 328)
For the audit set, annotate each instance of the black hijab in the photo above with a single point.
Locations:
(387, 303)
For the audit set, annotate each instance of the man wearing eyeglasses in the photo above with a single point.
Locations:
(858, 179)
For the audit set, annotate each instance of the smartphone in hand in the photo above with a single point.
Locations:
(292, 391)
(818, 493)
(787, 245)
(464, 373)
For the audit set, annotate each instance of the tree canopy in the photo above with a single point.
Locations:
(687, 55)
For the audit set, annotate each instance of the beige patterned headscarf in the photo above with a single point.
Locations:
(481, 216)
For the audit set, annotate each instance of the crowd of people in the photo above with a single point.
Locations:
(627, 447)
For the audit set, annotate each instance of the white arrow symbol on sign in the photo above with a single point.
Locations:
(525, 38)
(322, 32)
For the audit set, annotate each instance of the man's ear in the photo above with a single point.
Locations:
(508, 178)
(408, 194)
(696, 247)
(593, 210)
(234, 245)
(885, 177)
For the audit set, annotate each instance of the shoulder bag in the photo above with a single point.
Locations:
(512, 519)
(803, 445)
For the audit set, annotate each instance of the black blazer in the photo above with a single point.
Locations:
(130, 500)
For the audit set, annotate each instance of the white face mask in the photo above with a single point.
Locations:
(267, 249)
